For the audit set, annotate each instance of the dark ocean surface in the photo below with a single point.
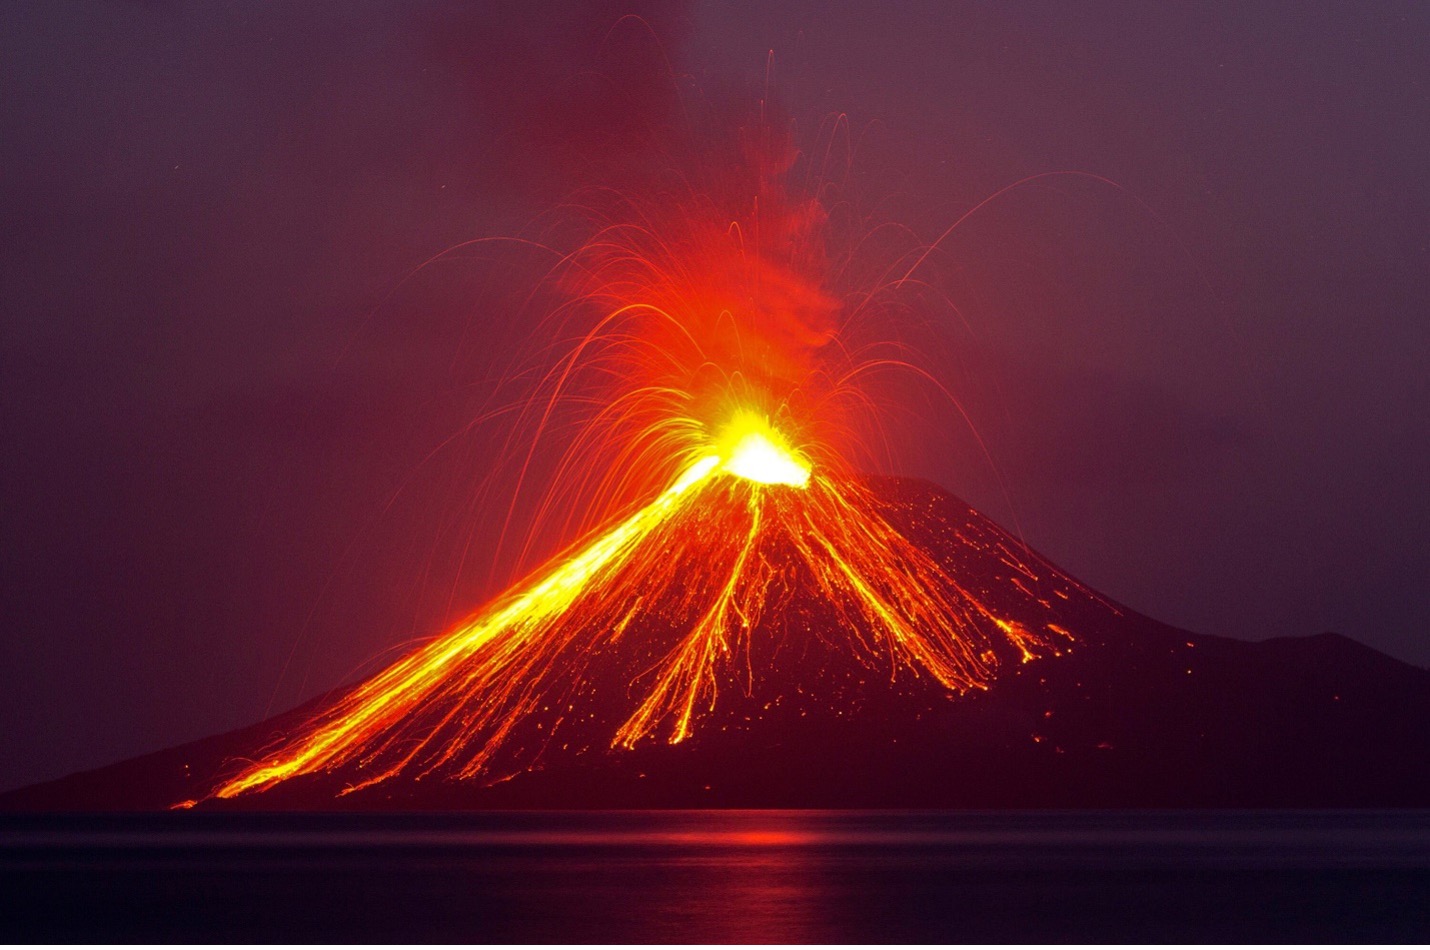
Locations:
(719, 876)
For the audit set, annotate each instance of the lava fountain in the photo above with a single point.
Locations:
(700, 366)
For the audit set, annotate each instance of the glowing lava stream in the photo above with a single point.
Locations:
(744, 520)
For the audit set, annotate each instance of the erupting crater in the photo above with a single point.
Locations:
(751, 448)
(738, 564)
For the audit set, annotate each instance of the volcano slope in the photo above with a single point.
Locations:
(1121, 712)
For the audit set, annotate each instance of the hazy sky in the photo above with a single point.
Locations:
(1201, 382)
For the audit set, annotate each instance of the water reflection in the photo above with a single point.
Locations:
(740, 878)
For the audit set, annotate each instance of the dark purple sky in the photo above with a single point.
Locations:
(1204, 389)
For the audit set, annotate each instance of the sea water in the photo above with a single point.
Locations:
(719, 877)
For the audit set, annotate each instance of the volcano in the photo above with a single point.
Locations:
(1044, 694)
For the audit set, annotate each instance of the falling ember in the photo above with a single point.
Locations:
(702, 361)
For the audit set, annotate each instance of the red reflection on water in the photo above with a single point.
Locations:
(746, 878)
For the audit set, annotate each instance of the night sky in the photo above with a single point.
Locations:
(1202, 382)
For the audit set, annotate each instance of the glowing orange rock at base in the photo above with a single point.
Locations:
(750, 520)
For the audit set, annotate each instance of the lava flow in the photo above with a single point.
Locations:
(709, 379)
(747, 520)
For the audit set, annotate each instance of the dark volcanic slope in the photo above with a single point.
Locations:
(1137, 714)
